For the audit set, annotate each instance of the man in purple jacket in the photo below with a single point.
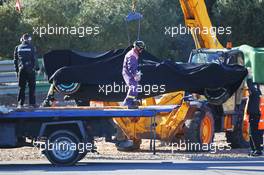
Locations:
(131, 74)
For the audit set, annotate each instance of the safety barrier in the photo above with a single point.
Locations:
(9, 81)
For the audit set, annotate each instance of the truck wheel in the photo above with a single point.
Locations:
(62, 148)
(82, 155)
(216, 96)
(67, 88)
(239, 137)
(199, 131)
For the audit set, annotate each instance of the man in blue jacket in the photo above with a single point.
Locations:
(25, 65)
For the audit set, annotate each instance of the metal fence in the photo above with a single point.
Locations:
(9, 81)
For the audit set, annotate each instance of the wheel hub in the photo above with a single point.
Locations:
(206, 130)
(63, 148)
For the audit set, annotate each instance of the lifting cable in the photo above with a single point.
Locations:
(133, 16)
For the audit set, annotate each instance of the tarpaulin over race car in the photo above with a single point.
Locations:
(100, 75)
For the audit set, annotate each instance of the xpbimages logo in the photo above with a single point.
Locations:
(63, 146)
(190, 146)
(66, 30)
(173, 31)
(146, 89)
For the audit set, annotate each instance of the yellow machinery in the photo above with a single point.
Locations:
(192, 121)
(196, 16)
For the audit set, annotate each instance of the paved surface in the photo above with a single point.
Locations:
(154, 167)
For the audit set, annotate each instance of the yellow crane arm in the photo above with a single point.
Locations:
(196, 18)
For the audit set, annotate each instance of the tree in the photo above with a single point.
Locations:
(38, 13)
(246, 17)
(108, 15)
(12, 27)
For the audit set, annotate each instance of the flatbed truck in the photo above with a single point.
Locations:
(62, 130)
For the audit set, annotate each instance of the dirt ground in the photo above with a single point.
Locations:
(164, 152)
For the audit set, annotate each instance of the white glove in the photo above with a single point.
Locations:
(138, 76)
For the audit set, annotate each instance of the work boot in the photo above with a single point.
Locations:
(251, 152)
(131, 103)
(257, 153)
(19, 106)
(134, 104)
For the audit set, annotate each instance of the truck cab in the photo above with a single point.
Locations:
(219, 56)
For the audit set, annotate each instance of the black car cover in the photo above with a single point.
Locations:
(100, 75)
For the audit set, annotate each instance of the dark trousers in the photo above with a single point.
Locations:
(26, 77)
(256, 136)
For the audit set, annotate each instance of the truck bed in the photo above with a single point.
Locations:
(85, 112)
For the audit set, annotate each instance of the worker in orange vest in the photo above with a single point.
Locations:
(253, 110)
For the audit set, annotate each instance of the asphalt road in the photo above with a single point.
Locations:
(128, 167)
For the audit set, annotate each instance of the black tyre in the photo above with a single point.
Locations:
(239, 137)
(199, 131)
(216, 96)
(67, 88)
(60, 148)
(89, 149)
(82, 155)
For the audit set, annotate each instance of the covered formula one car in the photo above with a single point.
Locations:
(97, 76)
